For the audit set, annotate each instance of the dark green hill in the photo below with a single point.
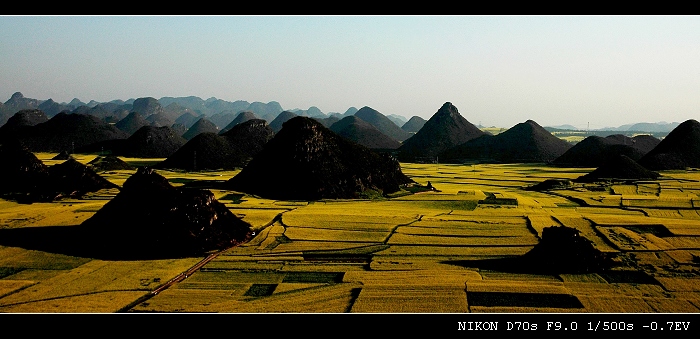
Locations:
(150, 218)
(414, 124)
(525, 142)
(21, 121)
(201, 126)
(361, 132)
(594, 151)
(249, 137)
(307, 161)
(621, 167)
(382, 123)
(69, 132)
(151, 142)
(206, 151)
(132, 122)
(680, 149)
(240, 118)
(276, 124)
(445, 129)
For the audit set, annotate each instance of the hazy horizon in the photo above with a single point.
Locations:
(586, 71)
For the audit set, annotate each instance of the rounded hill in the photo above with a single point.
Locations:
(680, 149)
(363, 133)
(594, 151)
(307, 161)
(525, 142)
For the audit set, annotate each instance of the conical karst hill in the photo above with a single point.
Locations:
(382, 123)
(132, 123)
(526, 142)
(69, 132)
(22, 174)
(620, 168)
(307, 161)
(73, 179)
(25, 178)
(277, 123)
(159, 120)
(240, 118)
(206, 151)
(188, 119)
(327, 121)
(180, 129)
(63, 155)
(363, 133)
(150, 218)
(594, 151)
(414, 124)
(249, 137)
(445, 129)
(109, 163)
(201, 126)
(151, 142)
(20, 121)
(680, 149)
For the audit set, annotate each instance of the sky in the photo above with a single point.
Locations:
(587, 71)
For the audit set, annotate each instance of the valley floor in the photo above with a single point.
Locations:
(404, 254)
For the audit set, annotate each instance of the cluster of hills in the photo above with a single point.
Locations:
(192, 134)
(282, 155)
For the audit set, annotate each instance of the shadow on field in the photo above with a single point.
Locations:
(561, 250)
(79, 241)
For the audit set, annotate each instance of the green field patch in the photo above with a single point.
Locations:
(679, 284)
(297, 247)
(344, 221)
(351, 255)
(141, 162)
(513, 299)
(8, 271)
(628, 277)
(436, 240)
(624, 189)
(317, 234)
(495, 219)
(684, 242)
(334, 298)
(99, 302)
(382, 299)
(231, 263)
(582, 278)
(657, 230)
(234, 198)
(459, 252)
(314, 277)
(9, 286)
(233, 288)
(475, 231)
(627, 240)
(431, 278)
(257, 217)
(497, 199)
(19, 258)
(689, 214)
(226, 277)
(663, 213)
(260, 290)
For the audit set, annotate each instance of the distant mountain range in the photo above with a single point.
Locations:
(166, 110)
(650, 127)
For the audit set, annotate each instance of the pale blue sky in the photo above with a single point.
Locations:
(497, 70)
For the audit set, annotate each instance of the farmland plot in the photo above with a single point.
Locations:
(389, 254)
